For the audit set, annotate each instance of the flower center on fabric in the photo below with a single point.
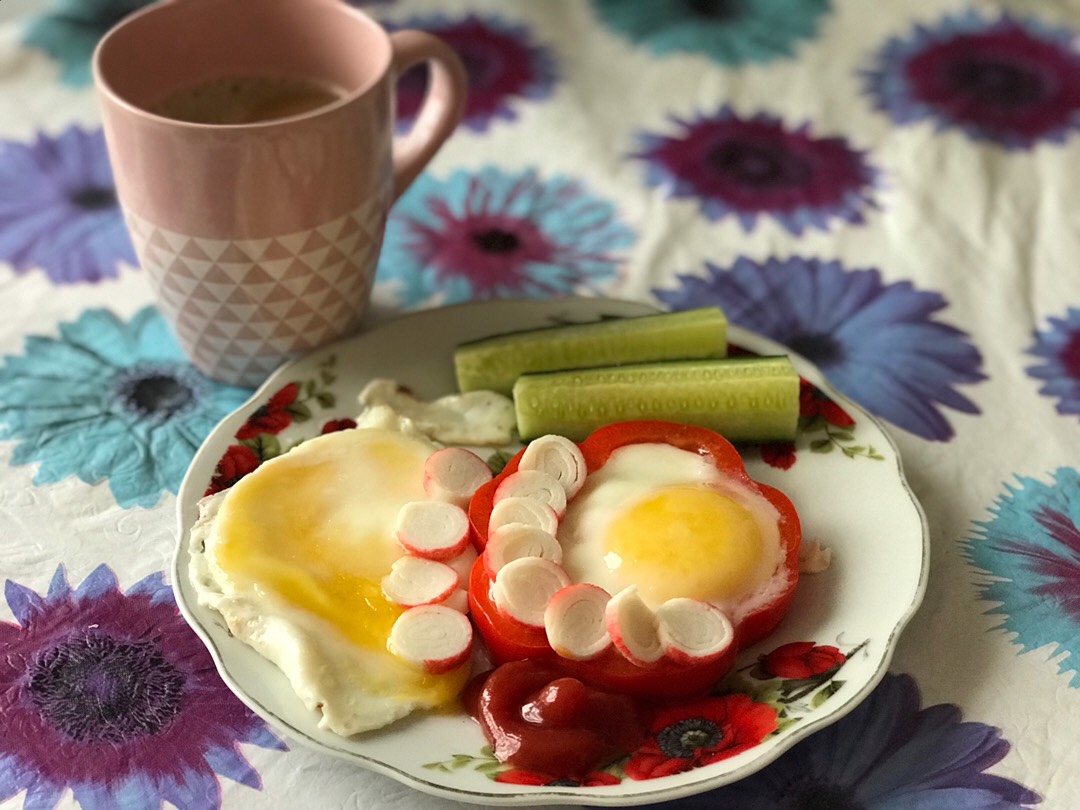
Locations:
(995, 82)
(760, 166)
(478, 66)
(496, 240)
(156, 392)
(98, 689)
(812, 795)
(1070, 356)
(716, 9)
(822, 349)
(94, 198)
(684, 739)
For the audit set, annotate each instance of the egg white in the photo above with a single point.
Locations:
(355, 686)
(635, 472)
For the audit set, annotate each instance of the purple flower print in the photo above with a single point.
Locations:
(1013, 82)
(1059, 347)
(502, 63)
(112, 696)
(58, 208)
(752, 168)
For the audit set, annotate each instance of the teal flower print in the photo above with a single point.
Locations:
(731, 32)
(70, 31)
(110, 400)
(1029, 555)
(496, 234)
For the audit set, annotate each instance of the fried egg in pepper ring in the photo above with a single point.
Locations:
(666, 522)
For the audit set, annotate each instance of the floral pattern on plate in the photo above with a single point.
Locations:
(258, 439)
(775, 690)
(416, 349)
(824, 426)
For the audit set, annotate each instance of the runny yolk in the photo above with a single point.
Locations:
(687, 540)
(315, 532)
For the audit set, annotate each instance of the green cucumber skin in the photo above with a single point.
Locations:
(495, 363)
(754, 399)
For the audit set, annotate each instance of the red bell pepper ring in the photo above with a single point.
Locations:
(509, 640)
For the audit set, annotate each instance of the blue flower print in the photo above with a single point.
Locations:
(730, 32)
(877, 343)
(112, 696)
(495, 234)
(70, 31)
(890, 753)
(58, 208)
(1012, 82)
(1059, 347)
(1029, 553)
(110, 400)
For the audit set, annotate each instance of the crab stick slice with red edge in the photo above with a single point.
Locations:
(463, 564)
(574, 621)
(453, 474)
(417, 581)
(525, 587)
(516, 541)
(436, 637)
(558, 457)
(633, 628)
(692, 631)
(433, 529)
(533, 484)
(527, 511)
(458, 600)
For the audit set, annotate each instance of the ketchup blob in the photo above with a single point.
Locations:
(538, 719)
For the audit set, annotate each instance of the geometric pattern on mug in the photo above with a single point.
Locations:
(240, 307)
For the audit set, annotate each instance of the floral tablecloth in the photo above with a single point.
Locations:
(888, 188)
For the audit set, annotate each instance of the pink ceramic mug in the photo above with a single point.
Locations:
(261, 239)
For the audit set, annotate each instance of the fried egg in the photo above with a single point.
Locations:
(667, 521)
(293, 557)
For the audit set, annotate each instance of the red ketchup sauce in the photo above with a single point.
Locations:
(537, 719)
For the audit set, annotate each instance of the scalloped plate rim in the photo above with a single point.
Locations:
(195, 481)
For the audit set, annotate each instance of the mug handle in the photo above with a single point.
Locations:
(443, 106)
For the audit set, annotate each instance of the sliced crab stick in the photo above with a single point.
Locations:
(633, 628)
(533, 484)
(574, 621)
(525, 587)
(417, 581)
(453, 474)
(436, 637)
(558, 457)
(458, 600)
(692, 631)
(516, 541)
(528, 511)
(463, 564)
(433, 529)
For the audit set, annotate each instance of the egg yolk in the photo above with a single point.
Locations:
(314, 529)
(686, 541)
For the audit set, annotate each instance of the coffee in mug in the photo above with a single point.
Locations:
(248, 99)
(260, 238)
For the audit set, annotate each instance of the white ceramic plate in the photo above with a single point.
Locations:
(846, 482)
